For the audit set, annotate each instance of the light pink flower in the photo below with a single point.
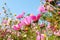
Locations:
(48, 7)
(4, 21)
(9, 38)
(17, 27)
(26, 21)
(48, 26)
(36, 18)
(42, 9)
(59, 13)
(57, 33)
(50, 0)
(40, 36)
(58, 4)
(8, 31)
(20, 15)
(42, 25)
(51, 27)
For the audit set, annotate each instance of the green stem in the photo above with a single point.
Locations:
(46, 38)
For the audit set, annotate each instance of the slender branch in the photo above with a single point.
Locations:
(53, 6)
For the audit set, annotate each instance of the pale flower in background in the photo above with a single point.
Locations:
(42, 9)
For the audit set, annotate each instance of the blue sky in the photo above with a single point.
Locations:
(17, 6)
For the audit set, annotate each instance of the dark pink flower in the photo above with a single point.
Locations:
(20, 15)
(36, 18)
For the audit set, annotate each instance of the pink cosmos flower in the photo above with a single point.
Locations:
(40, 36)
(48, 26)
(17, 27)
(57, 33)
(36, 18)
(4, 21)
(20, 15)
(9, 38)
(58, 4)
(26, 21)
(42, 25)
(48, 7)
(42, 9)
(51, 27)
(50, 0)
(59, 13)
(8, 31)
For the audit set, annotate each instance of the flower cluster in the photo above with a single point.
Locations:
(43, 26)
